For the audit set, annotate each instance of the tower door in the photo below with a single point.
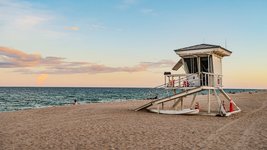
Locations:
(206, 67)
(206, 64)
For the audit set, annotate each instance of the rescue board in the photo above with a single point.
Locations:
(175, 112)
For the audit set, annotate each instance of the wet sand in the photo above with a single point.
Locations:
(116, 126)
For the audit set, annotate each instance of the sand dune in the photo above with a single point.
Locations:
(116, 126)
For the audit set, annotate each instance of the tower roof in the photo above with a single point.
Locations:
(203, 48)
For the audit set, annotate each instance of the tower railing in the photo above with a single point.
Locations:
(193, 80)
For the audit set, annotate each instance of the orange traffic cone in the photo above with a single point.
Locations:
(231, 106)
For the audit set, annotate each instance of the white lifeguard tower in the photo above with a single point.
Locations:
(202, 65)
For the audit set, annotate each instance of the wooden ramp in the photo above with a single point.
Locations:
(159, 101)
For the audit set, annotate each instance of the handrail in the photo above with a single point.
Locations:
(193, 80)
(176, 75)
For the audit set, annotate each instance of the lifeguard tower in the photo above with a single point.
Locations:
(202, 65)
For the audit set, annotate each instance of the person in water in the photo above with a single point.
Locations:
(75, 102)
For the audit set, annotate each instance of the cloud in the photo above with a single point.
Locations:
(96, 27)
(36, 64)
(21, 18)
(30, 21)
(129, 2)
(148, 11)
(126, 4)
(12, 58)
(72, 28)
(21, 15)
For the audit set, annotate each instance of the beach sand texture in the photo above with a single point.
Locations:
(116, 126)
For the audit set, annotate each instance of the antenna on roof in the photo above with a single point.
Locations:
(225, 43)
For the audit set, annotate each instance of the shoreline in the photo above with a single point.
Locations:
(123, 100)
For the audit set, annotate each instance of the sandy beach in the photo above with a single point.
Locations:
(116, 126)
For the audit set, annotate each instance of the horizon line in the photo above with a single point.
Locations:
(105, 87)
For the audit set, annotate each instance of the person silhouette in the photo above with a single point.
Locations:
(75, 102)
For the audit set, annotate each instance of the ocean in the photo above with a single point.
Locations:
(19, 98)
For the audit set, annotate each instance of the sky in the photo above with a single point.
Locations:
(127, 43)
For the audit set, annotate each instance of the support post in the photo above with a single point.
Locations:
(221, 109)
(165, 81)
(209, 102)
(176, 102)
(179, 81)
(182, 103)
(198, 65)
(173, 82)
(193, 100)
(217, 98)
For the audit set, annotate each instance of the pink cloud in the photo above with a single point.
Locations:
(12, 58)
(29, 63)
